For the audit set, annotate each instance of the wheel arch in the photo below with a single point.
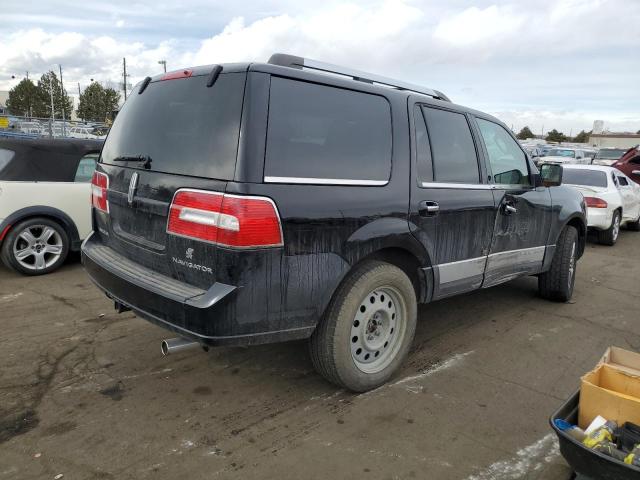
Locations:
(47, 212)
(581, 226)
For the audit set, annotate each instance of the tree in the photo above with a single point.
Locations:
(556, 136)
(582, 137)
(48, 85)
(97, 103)
(638, 132)
(23, 99)
(525, 133)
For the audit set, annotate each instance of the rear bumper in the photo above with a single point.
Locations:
(599, 218)
(201, 315)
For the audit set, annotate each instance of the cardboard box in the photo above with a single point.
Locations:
(612, 389)
(622, 360)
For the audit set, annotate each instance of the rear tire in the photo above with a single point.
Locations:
(36, 246)
(557, 283)
(368, 328)
(610, 235)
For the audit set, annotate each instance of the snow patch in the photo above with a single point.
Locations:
(528, 459)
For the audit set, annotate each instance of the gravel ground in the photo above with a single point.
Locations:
(85, 393)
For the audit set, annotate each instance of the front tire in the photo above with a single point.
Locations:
(558, 282)
(610, 235)
(368, 328)
(35, 246)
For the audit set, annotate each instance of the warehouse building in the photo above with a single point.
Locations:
(614, 140)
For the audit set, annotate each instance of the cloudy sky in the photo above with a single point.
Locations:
(543, 63)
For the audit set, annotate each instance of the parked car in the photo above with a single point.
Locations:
(608, 156)
(254, 203)
(564, 156)
(534, 152)
(44, 187)
(85, 131)
(612, 199)
(629, 164)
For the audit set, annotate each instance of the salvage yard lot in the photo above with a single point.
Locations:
(85, 392)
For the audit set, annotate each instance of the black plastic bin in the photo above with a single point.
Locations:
(583, 460)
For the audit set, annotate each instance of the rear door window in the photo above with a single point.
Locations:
(452, 148)
(86, 166)
(183, 126)
(324, 134)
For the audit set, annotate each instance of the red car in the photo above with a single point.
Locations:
(629, 163)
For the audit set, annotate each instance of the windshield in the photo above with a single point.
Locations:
(589, 178)
(182, 126)
(613, 154)
(558, 152)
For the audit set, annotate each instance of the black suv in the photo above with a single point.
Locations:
(252, 203)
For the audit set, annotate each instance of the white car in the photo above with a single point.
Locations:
(82, 132)
(565, 155)
(612, 198)
(45, 187)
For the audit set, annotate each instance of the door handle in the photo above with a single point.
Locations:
(428, 209)
(509, 209)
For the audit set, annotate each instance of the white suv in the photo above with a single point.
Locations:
(45, 186)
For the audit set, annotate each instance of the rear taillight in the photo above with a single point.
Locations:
(99, 187)
(594, 202)
(228, 220)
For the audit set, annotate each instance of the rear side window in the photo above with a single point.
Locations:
(328, 134)
(588, 178)
(452, 147)
(185, 127)
(423, 150)
(85, 168)
(5, 157)
(623, 182)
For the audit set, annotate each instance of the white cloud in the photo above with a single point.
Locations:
(474, 25)
(568, 61)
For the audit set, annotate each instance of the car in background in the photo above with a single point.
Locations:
(44, 187)
(565, 155)
(608, 156)
(629, 164)
(534, 152)
(83, 131)
(612, 199)
(589, 154)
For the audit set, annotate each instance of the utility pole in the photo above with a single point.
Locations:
(53, 115)
(124, 77)
(63, 101)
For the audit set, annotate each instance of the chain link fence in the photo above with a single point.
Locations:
(15, 126)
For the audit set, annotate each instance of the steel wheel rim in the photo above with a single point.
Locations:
(616, 226)
(37, 247)
(377, 329)
(572, 264)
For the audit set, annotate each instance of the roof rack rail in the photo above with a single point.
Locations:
(285, 60)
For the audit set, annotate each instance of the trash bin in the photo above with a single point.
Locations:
(585, 462)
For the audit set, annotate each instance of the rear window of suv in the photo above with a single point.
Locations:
(185, 127)
(327, 134)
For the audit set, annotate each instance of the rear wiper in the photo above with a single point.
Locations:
(145, 159)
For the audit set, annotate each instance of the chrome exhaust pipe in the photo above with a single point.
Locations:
(179, 344)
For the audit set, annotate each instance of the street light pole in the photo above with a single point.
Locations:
(164, 65)
(63, 102)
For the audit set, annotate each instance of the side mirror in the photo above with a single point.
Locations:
(551, 175)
